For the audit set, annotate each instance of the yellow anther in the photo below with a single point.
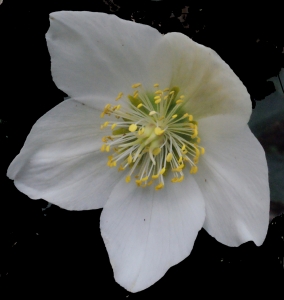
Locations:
(119, 96)
(113, 126)
(166, 97)
(166, 90)
(139, 105)
(105, 124)
(127, 179)
(191, 125)
(180, 160)
(103, 147)
(150, 182)
(141, 130)
(158, 101)
(178, 169)
(179, 179)
(159, 131)
(156, 151)
(156, 85)
(159, 92)
(129, 159)
(151, 113)
(190, 118)
(144, 178)
(107, 108)
(183, 147)
(136, 85)
(155, 176)
(185, 115)
(198, 141)
(162, 171)
(181, 97)
(104, 139)
(169, 157)
(174, 116)
(195, 133)
(132, 127)
(195, 159)
(135, 94)
(202, 150)
(172, 92)
(102, 114)
(120, 168)
(197, 151)
(193, 170)
(107, 148)
(117, 107)
(161, 118)
(157, 97)
(138, 182)
(179, 101)
(159, 186)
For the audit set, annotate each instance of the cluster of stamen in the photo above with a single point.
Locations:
(151, 136)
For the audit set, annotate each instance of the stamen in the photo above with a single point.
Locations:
(179, 101)
(156, 151)
(151, 113)
(159, 92)
(119, 96)
(159, 186)
(169, 157)
(154, 134)
(132, 127)
(159, 131)
(136, 85)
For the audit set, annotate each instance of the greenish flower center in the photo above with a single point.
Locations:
(153, 134)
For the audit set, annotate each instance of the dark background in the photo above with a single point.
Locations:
(51, 250)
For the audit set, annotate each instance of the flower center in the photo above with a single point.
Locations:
(152, 135)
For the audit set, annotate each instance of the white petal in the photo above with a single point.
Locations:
(61, 161)
(207, 82)
(147, 231)
(233, 178)
(98, 54)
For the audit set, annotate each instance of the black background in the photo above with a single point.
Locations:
(61, 252)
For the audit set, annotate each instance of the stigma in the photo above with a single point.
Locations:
(151, 136)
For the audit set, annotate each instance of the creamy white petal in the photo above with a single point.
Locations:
(147, 231)
(61, 161)
(98, 54)
(208, 83)
(233, 178)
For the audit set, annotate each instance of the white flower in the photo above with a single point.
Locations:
(182, 135)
